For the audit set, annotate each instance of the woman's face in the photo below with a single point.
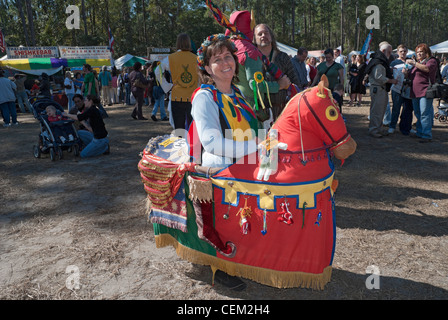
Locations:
(421, 54)
(222, 66)
(329, 58)
(87, 102)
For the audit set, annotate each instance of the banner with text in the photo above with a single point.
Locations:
(102, 52)
(31, 52)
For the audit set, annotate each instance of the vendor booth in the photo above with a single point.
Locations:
(23, 60)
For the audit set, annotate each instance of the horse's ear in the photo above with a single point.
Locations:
(324, 81)
(322, 86)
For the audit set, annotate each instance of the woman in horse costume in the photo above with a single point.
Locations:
(269, 216)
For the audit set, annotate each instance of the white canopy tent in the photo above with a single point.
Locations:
(441, 47)
(290, 51)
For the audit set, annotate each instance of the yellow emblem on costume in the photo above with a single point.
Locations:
(233, 189)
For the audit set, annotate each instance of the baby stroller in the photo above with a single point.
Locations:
(442, 113)
(48, 141)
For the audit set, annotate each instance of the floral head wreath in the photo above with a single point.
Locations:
(211, 39)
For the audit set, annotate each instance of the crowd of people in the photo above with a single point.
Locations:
(397, 84)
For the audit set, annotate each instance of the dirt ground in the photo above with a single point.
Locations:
(76, 221)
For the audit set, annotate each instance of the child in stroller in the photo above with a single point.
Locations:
(57, 133)
(57, 122)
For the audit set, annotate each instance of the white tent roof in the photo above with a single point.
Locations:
(287, 49)
(441, 47)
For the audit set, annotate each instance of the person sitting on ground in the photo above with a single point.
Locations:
(77, 109)
(97, 141)
(63, 132)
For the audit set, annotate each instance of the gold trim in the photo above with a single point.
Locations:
(273, 278)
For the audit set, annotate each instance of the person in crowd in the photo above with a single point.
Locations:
(311, 68)
(158, 96)
(35, 88)
(45, 86)
(78, 100)
(120, 87)
(381, 78)
(265, 41)
(356, 76)
(127, 86)
(7, 100)
(22, 96)
(321, 59)
(300, 68)
(338, 95)
(138, 84)
(339, 59)
(422, 75)
(401, 95)
(184, 78)
(151, 76)
(78, 81)
(114, 86)
(90, 85)
(252, 61)
(69, 86)
(97, 141)
(333, 70)
(105, 80)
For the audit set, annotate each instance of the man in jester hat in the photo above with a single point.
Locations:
(251, 59)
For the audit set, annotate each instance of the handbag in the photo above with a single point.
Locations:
(437, 91)
(137, 83)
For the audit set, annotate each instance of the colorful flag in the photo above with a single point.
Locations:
(366, 47)
(2, 42)
(111, 41)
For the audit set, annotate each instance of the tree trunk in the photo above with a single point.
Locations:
(84, 17)
(19, 5)
(29, 11)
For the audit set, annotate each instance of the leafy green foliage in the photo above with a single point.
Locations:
(139, 24)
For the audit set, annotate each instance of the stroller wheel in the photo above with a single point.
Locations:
(442, 118)
(36, 151)
(76, 150)
(52, 154)
(436, 115)
(60, 154)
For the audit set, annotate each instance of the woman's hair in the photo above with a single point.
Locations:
(137, 66)
(425, 48)
(94, 99)
(78, 96)
(183, 42)
(215, 48)
(361, 58)
(329, 51)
